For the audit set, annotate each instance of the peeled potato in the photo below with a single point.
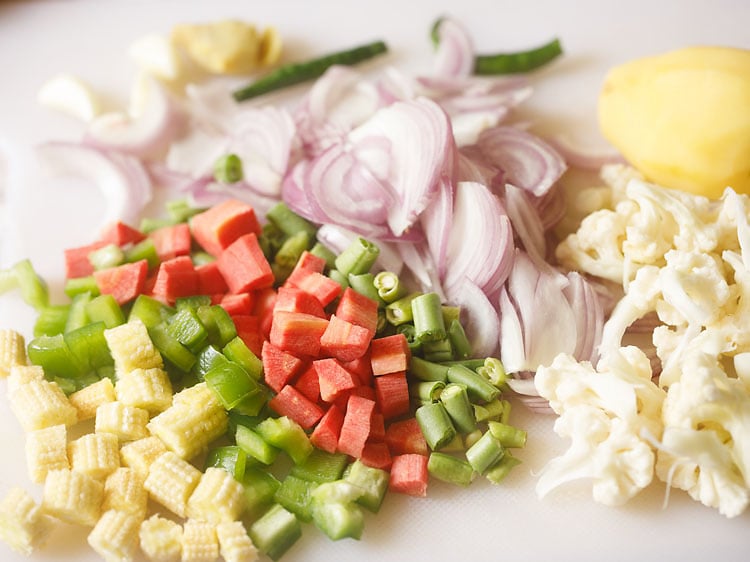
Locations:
(683, 118)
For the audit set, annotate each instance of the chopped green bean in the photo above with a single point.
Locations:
(358, 257)
(228, 169)
(427, 370)
(450, 469)
(289, 222)
(427, 391)
(493, 371)
(428, 317)
(399, 311)
(437, 350)
(296, 73)
(363, 284)
(497, 472)
(435, 424)
(324, 252)
(456, 401)
(459, 342)
(476, 385)
(389, 286)
(509, 436)
(485, 452)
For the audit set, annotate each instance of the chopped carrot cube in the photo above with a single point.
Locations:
(120, 234)
(244, 266)
(334, 380)
(218, 227)
(343, 340)
(357, 425)
(292, 299)
(172, 241)
(77, 262)
(297, 332)
(175, 278)
(325, 436)
(390, 354)
(409, 474)
(124, 282)
(392, 394)
(405, 436)
(377, 455)
(320, 286)
(293, 404)
(279, 367)
(210, 279)
(358, 309)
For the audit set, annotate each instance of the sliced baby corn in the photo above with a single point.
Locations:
(161, 539)
(235, 545)
(132, 348)
(12, 351)
(170, 482)
(128, 423)
(89, 398)
(73, 497)
(199, 541)
(41, 403)
(217, 498)
(124, 491)
(140, 455)
(21, 374)
(194, 420)
(115, 535)
(95, 454)
(149, 389)
(46, 449)
(23, 525)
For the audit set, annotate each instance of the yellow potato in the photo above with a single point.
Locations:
(683, 118)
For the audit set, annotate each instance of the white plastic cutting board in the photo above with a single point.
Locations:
(481, 523)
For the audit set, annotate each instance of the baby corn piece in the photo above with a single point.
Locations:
(21, 374)
(140, 455)
(89, 398)
(235, 545)
(46, 449)
(23, 526)
(41, 403)
(192, 422)
(217, 498)
(115, 535)
(149, 389)
(132, 348)
(12, 351)
(128, 423)
(73, 497)
(124, 491)
(95, 454)
(161, 539)
(170, 482)
(199, 541)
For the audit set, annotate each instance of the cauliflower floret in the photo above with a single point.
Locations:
(706, 444)
(608, 414)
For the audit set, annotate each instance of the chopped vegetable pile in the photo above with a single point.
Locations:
(342, 298)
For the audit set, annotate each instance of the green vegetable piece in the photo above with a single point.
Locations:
(321, 466)
(202, 258)
(295, 495)
(338, 519)
(78, 285)
(427, 370)
(89, 346)
(77, 316)
(106, 309)
(208, 358)
(107, 256)
(339, 277)
(459, 341)
(358, 257)
(455, 399)
(143, 250)
(428, 317)
(289, 222)
(150, 311)
(228, 169)
(275, 532)
(493, 410)
(34, 290)
(171, 348)
(229, 457)
(192, 302)
(68, 386)
(373, 484)
(260, 487)
(231, 383)
(509, 63)
(255, 445)
(252, 404)
(509, 436)
(54, 356)
(435, 424)
(476, 385)
(408, 331)
(149, 224)
(180, 210)
(287, 435)
(220, 326)
(291, 74)
(187, 328)
(437, 350)
(498, 472)
(389, 286)
(51, 320)
(324, 252)
(426, 391)
(363, 284)
(493, 371)
(450, 469)
(485, 452)
(236, 350)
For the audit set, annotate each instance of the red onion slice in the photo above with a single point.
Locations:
(584, 157)
(526, 160)
(478, 316)
(526, 222)
(480, 247)
(122, 179)
(454, 56)
(145, 135)
(589, 317)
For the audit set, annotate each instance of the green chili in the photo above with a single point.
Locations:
(295, 73)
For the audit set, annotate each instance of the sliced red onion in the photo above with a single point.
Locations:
(146, 134)
(480, 246)
(586, 158)
(526, 222)
(526, 160)
(211, 105)
(263, 139)
(551, 207)
(472, 166)
(478, 317)
(454, 56)
(339, 101)
(589, 317)
(121, 178)
(436, 221)
(196, 152)
(419, 262)
(382, 177)
(534, 310)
